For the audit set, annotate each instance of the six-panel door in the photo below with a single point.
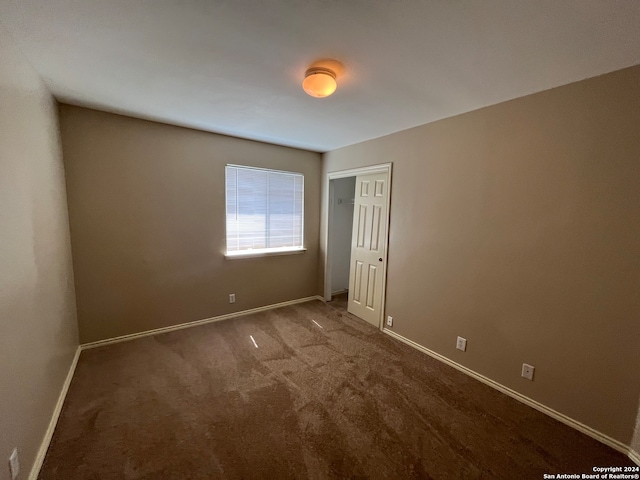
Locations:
(367, 247)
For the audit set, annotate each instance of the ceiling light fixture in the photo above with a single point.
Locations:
(319, 82)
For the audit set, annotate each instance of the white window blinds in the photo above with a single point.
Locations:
(264, 210)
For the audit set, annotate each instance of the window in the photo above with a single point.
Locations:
(264, 211)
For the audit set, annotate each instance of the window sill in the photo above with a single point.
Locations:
(263, 253)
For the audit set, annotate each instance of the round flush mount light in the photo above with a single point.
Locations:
(319, 82)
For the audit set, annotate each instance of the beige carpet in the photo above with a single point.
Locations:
(332, 399)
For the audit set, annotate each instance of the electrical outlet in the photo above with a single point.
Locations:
(389, 321)
(527, 371)
(232, 298)
(14, 464)
(461, 344)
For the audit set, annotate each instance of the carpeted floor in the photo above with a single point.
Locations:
(324, 396)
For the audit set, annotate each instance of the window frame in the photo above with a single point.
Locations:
(262, 252)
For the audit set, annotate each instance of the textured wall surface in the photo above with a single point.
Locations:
(516, 226)
(38, 329)
(147, 215)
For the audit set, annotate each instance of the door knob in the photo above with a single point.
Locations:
(380, 259)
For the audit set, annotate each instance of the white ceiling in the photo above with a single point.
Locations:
(235, 66)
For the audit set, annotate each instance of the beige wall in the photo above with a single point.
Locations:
(38, 331)
(517, 226)
(147, 209)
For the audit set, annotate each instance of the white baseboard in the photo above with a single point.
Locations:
(601, 437)
(44, 446)
(195, 323)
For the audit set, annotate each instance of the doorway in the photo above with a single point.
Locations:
(341, 201)
(357, 239)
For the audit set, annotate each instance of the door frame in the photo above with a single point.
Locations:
(328, 195)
